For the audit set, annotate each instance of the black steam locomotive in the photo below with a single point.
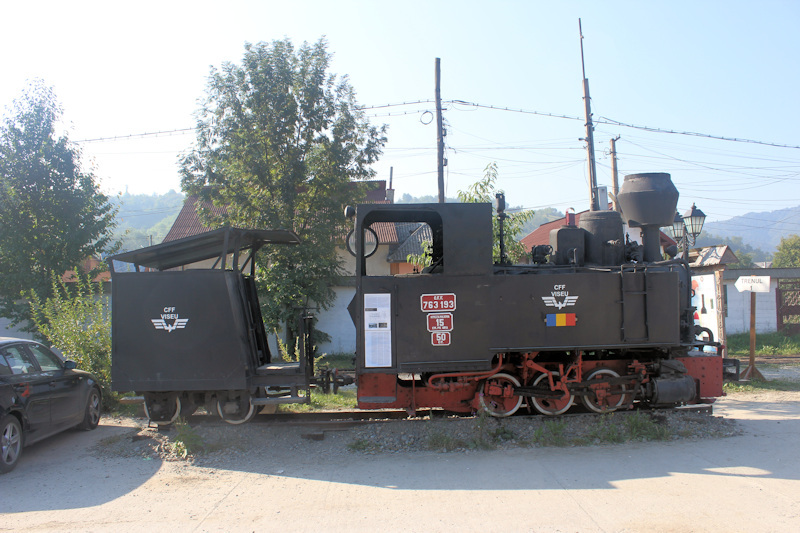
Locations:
(604, 320)
(595, 318)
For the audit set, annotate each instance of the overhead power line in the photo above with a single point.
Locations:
(605, 120)
(600, 120)
(137, 135)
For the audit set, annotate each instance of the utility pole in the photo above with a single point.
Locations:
(439, 132)
(595, 201)
(615, 176)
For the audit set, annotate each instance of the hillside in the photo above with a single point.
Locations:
(145, 219)
(760, 230)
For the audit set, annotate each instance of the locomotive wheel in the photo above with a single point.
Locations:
(168, 417)
(611, 402)
(550, 406)
(500, 405)
(237, 415)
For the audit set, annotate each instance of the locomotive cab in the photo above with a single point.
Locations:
(467, 334)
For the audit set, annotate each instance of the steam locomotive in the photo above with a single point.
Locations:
(595, 318)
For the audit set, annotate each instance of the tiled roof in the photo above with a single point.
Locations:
(88, 264)
(188, 223)
(386, 232)
(412, 244)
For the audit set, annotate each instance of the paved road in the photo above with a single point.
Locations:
(746, 483)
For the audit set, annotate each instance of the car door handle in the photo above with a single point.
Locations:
(53, 384)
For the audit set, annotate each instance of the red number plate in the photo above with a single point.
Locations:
(440, 322)
(438, 302)
(440, 338)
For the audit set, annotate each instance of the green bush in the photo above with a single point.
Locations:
(77, 321)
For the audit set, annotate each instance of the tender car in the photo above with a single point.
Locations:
(40, 395)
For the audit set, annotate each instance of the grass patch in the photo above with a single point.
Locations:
(758, 386)
(607, 430)
(131, 410)
(186, 440)
(361, 445)
(550, 433)
(639, 426)
(342, 361)
(344, 400)
(642, 426)
(774, 343)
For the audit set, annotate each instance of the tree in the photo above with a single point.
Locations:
(788, 254)
(280, 143)
(484, 191)
(76, 319)
(53, 214)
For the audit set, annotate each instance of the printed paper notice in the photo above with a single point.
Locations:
(378, 330)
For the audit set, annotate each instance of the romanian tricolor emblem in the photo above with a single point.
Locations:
(560, 319)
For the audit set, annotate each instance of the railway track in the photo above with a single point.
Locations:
(319, 422)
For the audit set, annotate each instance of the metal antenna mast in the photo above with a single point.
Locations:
(595, 201)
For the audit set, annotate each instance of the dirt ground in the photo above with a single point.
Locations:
(106, 480)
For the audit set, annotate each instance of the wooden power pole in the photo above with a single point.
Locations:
(587, 107)
(614, 175)
(439, 132)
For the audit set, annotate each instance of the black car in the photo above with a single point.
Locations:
(40, 395)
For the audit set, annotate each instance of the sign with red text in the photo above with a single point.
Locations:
(437, 302)
(440, 338)
(440, 322)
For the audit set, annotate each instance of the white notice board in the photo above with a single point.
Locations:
(752, 284)
(378, 330)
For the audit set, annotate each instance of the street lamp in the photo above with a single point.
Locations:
(686, 228)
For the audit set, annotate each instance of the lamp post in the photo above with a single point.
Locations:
(686, 228)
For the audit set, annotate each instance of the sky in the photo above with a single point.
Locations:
(724, 68)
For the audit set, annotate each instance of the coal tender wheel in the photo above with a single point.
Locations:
(234, 412)
(597, 399)
(163, 413)
(550, 406)
(496, 398)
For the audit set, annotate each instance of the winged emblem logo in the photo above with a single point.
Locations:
(551, 301)
(178, 323)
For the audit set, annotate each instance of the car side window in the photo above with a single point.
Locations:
(5, 370)
(47, 361)
(19, 360)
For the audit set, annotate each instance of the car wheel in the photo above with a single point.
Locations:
(10, 443)
(92, 416)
